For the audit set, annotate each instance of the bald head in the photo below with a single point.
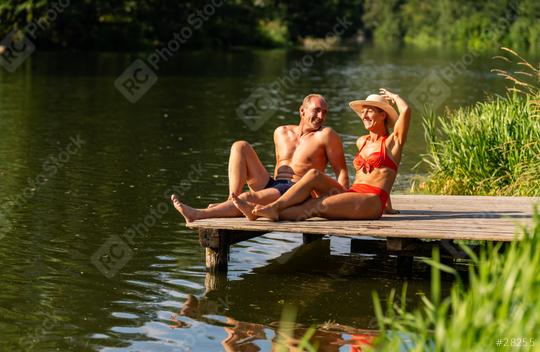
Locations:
(308, 98)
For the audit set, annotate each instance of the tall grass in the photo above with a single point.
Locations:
(491, 148)
(498, 311)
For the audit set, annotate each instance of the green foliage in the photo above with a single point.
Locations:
(273, 33)
(316, 19)
(382, 21)
(500, 304)
(131, 24)
(491, 148)
(479, 25)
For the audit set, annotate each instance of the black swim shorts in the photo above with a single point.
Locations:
(281, 185)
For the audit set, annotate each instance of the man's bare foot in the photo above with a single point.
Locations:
(189, 213)
(266, 211)
(211, 205)
(245, 207)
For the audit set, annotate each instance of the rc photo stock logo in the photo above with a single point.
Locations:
(15, 48)
(118, 250)
(136, 80)
(140, 75)
(265, 100)
(260, 106)
(5, 225)
(432, 91)
(17, 45)
(435, 88)
(112, 256)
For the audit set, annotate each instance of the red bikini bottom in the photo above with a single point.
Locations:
(363, 188)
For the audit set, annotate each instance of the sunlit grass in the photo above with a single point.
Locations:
(499, 310)
(491, 148)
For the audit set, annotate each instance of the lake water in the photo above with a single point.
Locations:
(81, 167)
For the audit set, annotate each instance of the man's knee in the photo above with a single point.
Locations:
(239, 146)
(314, 173)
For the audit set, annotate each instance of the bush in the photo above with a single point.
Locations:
(499, 310)
(491, 148)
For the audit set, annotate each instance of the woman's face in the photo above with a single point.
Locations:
(373, 117)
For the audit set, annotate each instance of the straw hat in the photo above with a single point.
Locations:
(378, 101)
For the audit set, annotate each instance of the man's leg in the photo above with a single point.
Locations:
(226, 209)
(245, 167)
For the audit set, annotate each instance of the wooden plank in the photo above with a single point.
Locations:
(411, 229)
(210, 237)
(422, 216)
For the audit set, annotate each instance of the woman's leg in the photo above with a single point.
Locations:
(313, 180)
(344, 206)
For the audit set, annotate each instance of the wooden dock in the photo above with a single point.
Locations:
(441, 219)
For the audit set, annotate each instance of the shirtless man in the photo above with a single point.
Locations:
(299, 148)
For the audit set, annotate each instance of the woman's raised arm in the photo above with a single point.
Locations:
(401, 128)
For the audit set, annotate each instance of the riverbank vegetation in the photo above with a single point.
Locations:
(139, 25)
(476, 25)
(490, 148)
(499, 310)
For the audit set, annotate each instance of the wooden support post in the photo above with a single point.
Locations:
(215, 281)
(217, 259)
(309, 237)
(394, 244)
(217, 249)
(405, 260)
(404, 265)
(217, 243)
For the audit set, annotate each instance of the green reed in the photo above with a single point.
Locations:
(499, 310)
(491, 148)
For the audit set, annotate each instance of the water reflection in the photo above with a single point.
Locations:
(133, 153)
(245, 337)
(330, 286)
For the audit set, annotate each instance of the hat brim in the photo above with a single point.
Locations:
(357, 106)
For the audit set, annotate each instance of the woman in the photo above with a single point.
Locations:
(376, 168)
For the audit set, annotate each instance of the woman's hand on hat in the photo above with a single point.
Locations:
(387, 95)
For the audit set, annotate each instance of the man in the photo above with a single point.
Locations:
(299, 148)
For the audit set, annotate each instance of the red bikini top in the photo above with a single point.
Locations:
(374, 160)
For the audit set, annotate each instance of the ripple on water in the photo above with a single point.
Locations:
(105, 189)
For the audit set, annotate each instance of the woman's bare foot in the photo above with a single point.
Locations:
(189, 213)
(266, 211)
(245, 207)
(391, 211)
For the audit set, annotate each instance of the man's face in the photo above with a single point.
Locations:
(314, 113)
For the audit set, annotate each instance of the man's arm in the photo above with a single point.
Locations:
(336, 158)
(277, 132)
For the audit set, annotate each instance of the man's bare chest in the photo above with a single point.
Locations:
(306, 150)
